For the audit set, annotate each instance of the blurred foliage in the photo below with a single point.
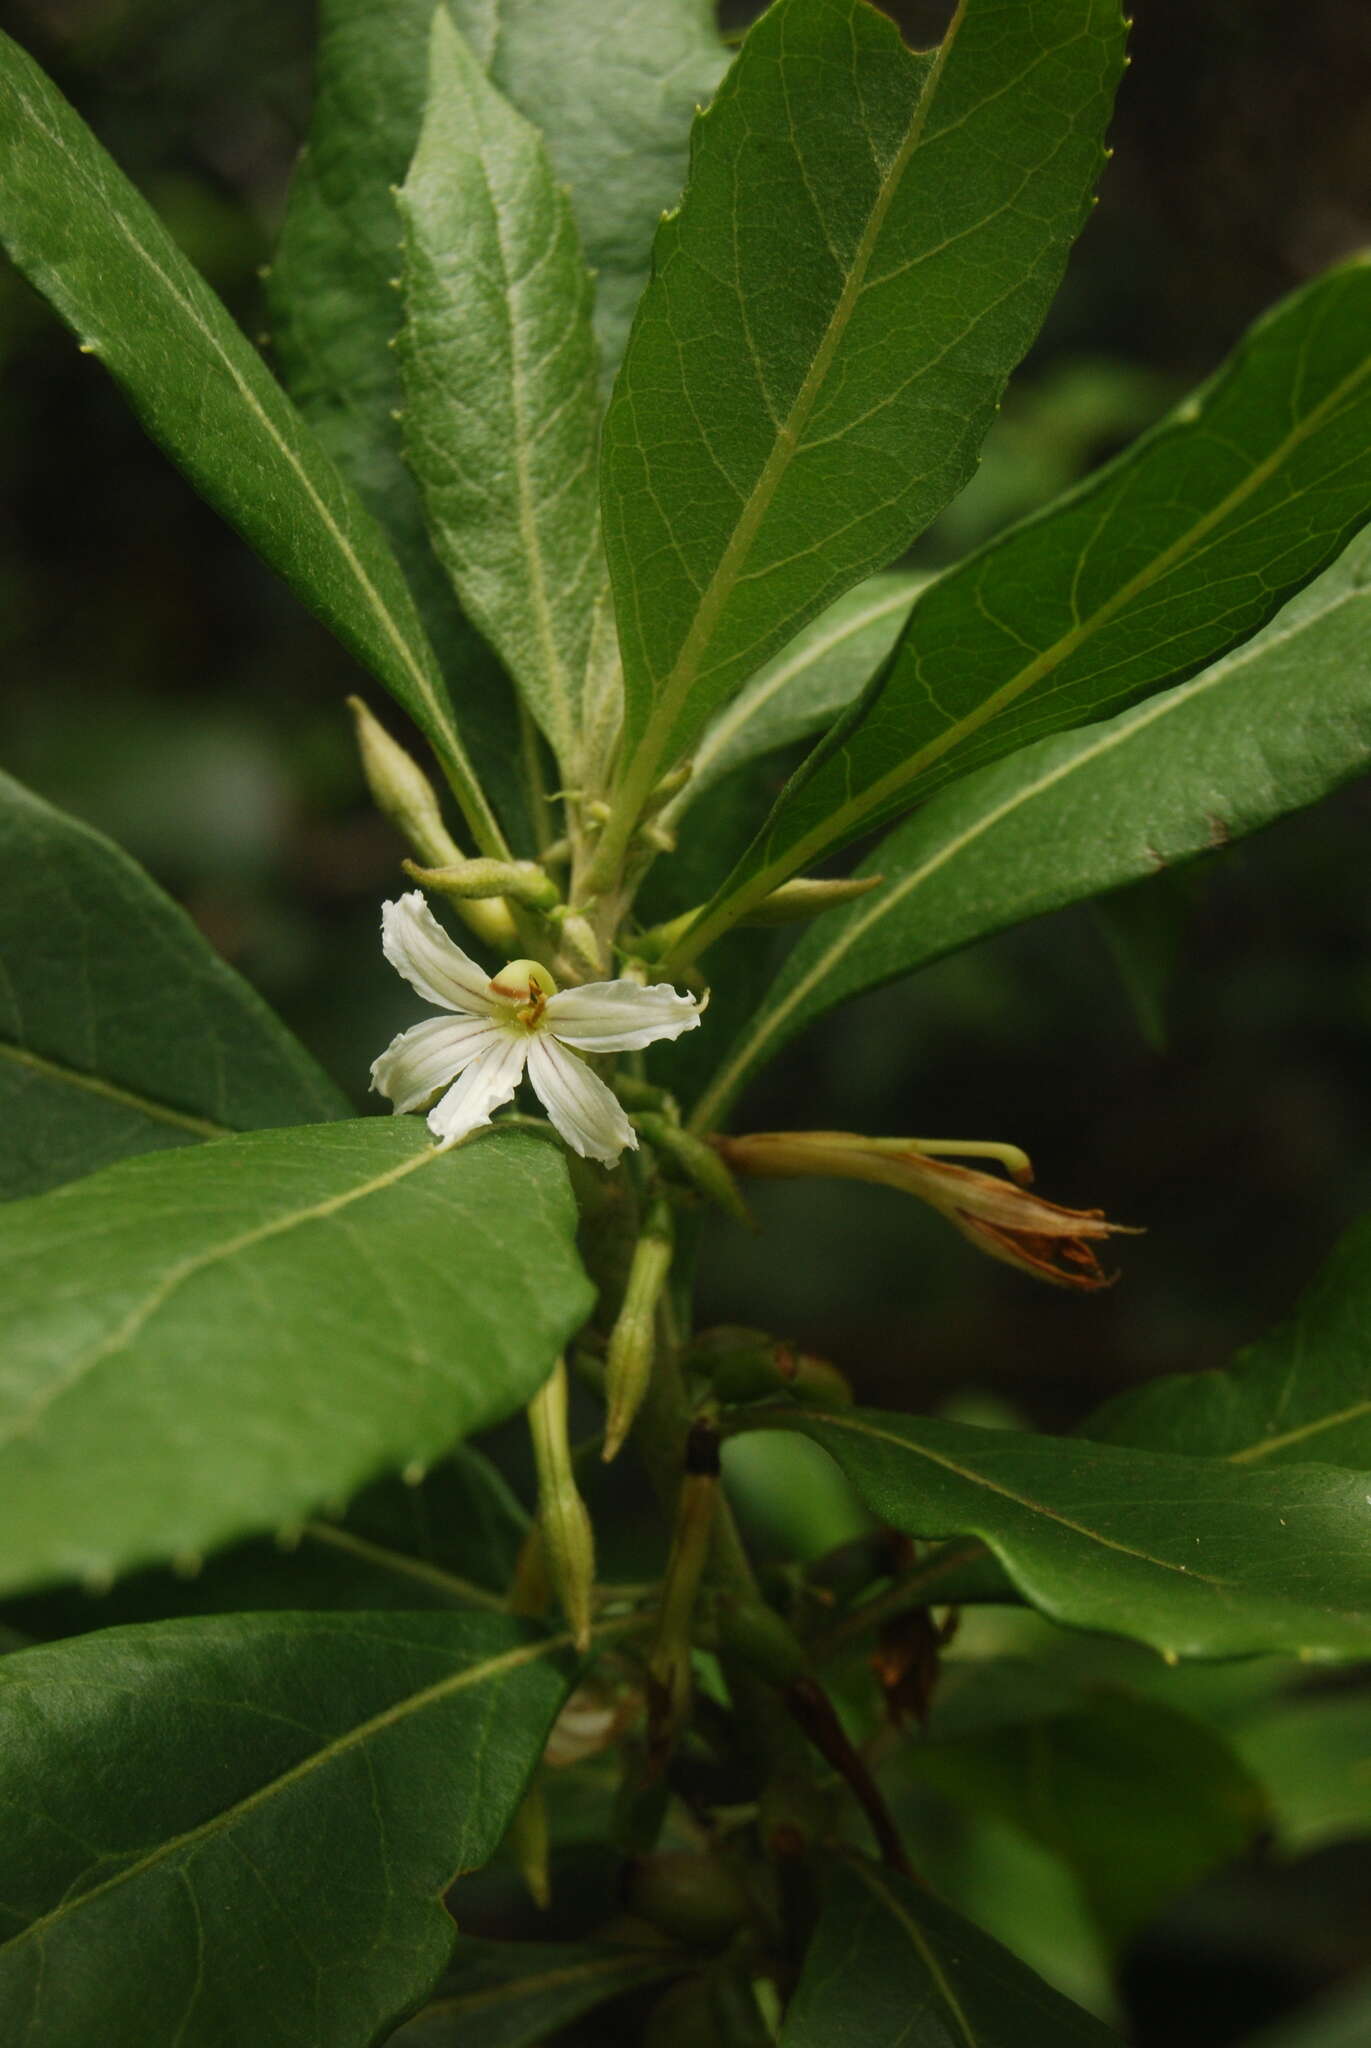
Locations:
(162, 685)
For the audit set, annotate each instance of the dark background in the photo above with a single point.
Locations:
(162, 684)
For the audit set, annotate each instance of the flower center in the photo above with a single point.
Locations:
(527, 985)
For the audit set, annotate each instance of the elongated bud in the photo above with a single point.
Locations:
(568, 1539)
(465, 881)
(403, 793)
(528, 1839)
(628, 1363)
(808, 897)
(669, 1662)
(699, 1162)
(400, 789)
(1000, 1217)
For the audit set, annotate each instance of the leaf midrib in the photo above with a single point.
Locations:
(919, 1941)
(390, 627)
(739, 715)
(126, 1098)
(732, 1075)
(632, 1963)
(413, 1703)
(117, 1340)
(1189, 1573)
(849, 816)
(677, 684)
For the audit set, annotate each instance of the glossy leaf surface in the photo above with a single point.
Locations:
(498, 361)
(1172, 554)
(294, 1794)
(514, 1994)
(90, 243)
(1198, 1557)
(1274, 726)
(890, 1966)
(818, 675)
(209, 1343)
(121, 1030)
(869, 239)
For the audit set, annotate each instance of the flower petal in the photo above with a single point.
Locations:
(424, 1058)
(619, 1016)
(417, 946)
(581, 1107)
(489, 1078)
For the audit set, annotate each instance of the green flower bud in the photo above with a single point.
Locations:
(628, 1365)
(568, 1539)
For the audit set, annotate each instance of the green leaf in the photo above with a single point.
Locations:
(1313, 1756)
(121, 1030)
(514, 1994)
(498, 361)
(1138, 1801)
(1276, 725)
(1157, 564)
(206, 1344)
(1196, 1556)
(890, 1966)
(869, 240)
(613, 92)
(825, 666)
(335, 310)
(294, 1793)
(91, 244)
(1303, 1392)
(450, 1539)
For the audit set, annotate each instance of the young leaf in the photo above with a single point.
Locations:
(825, 666)
(1112, 1771)
(1176, 551)
(91, 244)
(1274, 726)
(868, 242)
(890, 1966)
(515, 1994)
(451, 1540)
(209, 1343)
(1302, 1393)
(1196, 1556)
(613, 92)
(295, 1792)
(498, 360)
(120, 1029)
(335, 310)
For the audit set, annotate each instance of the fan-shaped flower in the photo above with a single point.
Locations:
(497, 1028)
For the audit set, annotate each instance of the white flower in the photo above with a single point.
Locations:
(496, 1028)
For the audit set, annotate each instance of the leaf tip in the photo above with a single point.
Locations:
(188, 1564)
(415, 1472)
(288, 1536)
(97, 1580)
